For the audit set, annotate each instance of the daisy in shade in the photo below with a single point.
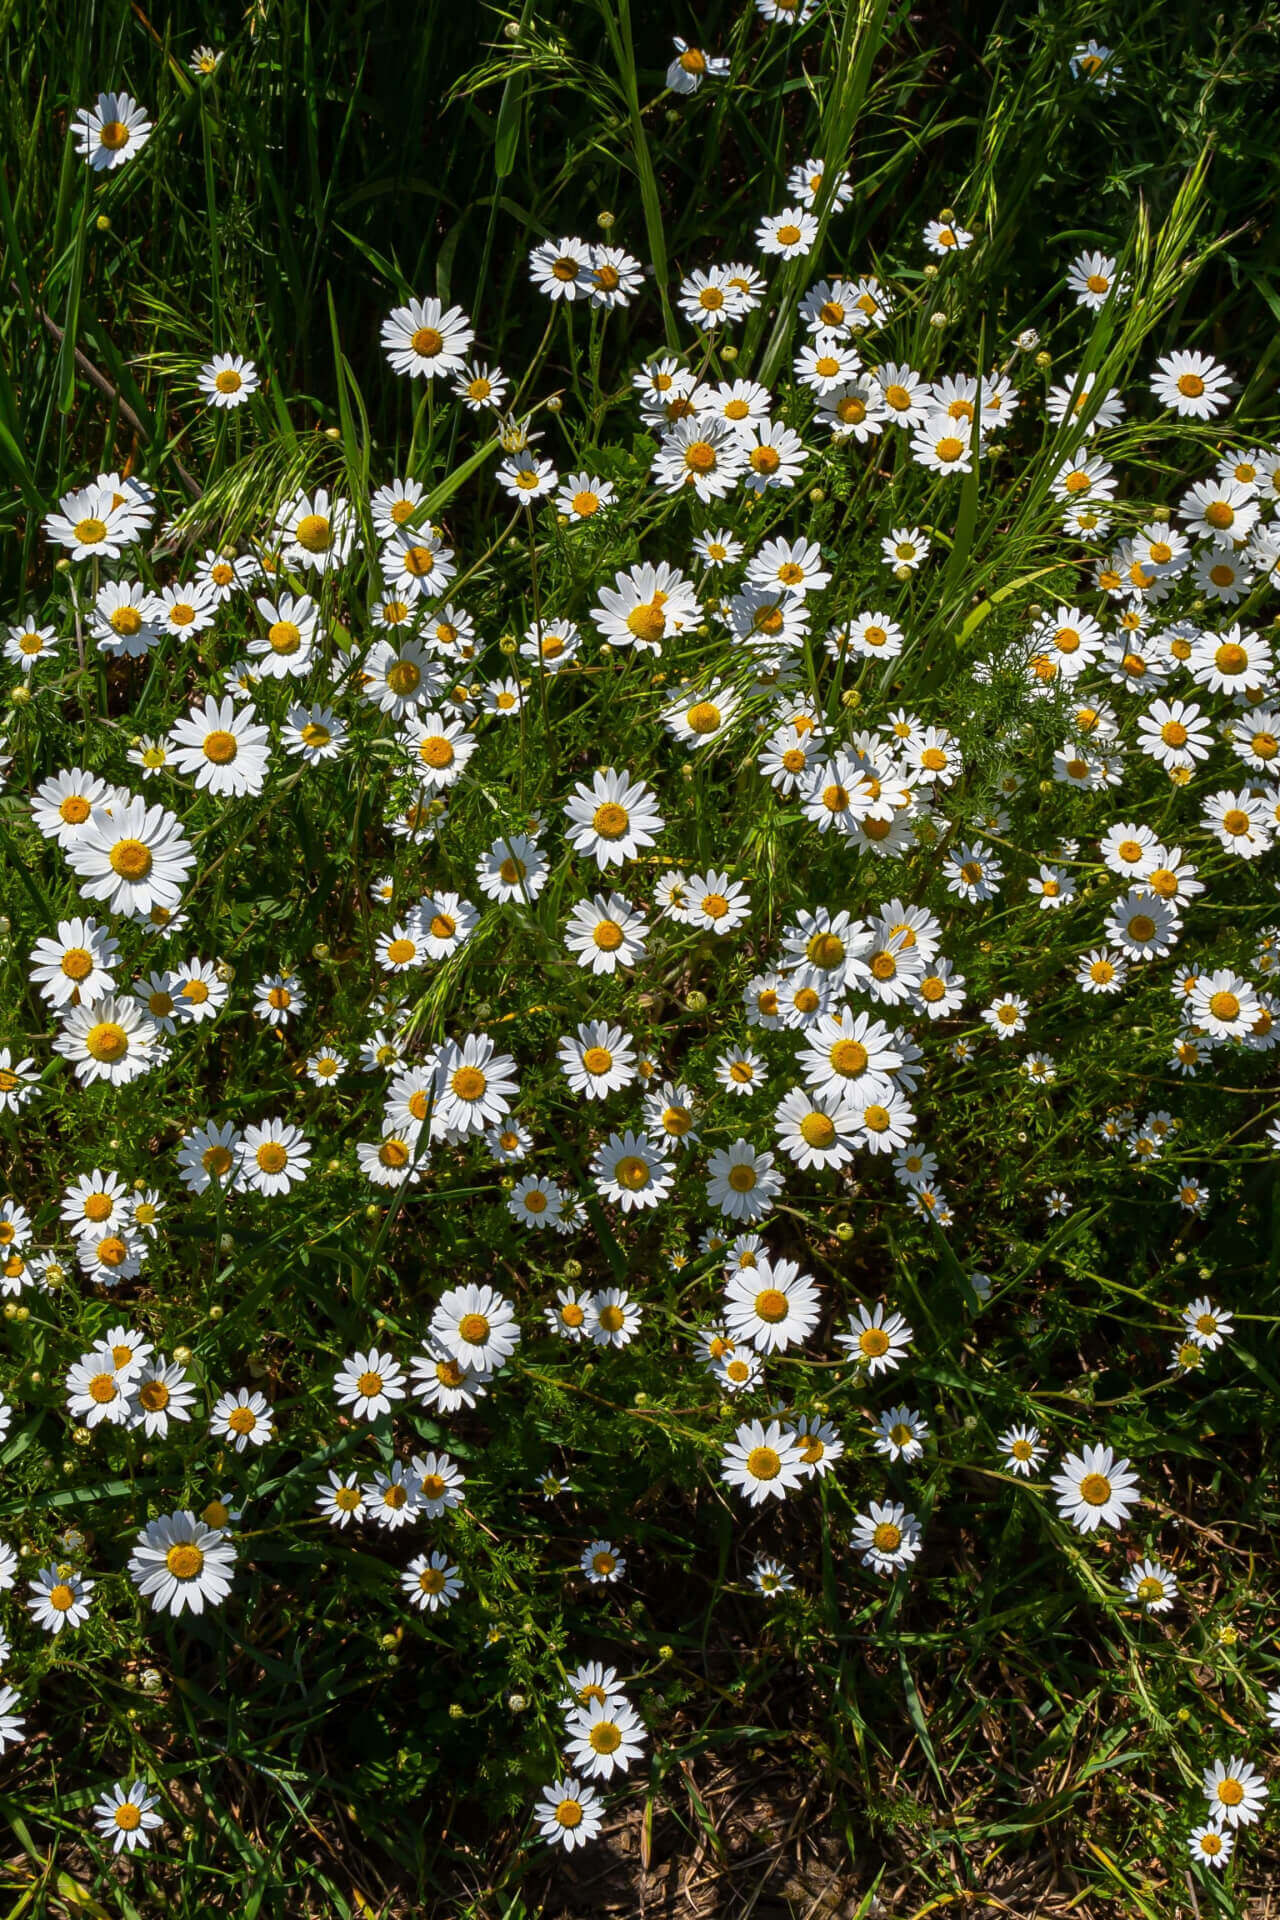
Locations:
(900, 1434)
(820, 1445)
(1151, 1586)
(126, 1815)
(59, 1598)
(341, 1501)
(222, 748)
(12, 1726)
(424, 339)
(133, 858)
(242, 1418)
(180, 1564)
(1236, 1792)
(437, 1483)
(629, 1171)
(1022, 1450)
(111, 131)
(762, 1462)
(886, 1536)
(603, 1563)
(430, 1582)
(772, 1306)
(228, 380)
(605, 1739)
(1095, 1489)
(477, 1326)
(569, 1812)
(368, 1383)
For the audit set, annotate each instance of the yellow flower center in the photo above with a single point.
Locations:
(131, 859)
(742, 1177)
(314, 533)
(632, 1173)
(1220, 514)
(220, 747)
(887, 1538)
(272, 1157)
(284, 637)
(114, 135)
(1095, 1489)
(1190, 385)
(106, 1042)
(610, 821)
(763, 1463)
(427, 342)
(474, 1329)
(817, 1129)
(184, 1560)
(228, 381)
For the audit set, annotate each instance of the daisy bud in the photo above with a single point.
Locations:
(23, 1313)
(215, 1313)
(320, 951)
(9, 1309)
(182, 1356)
(695, 1002)
(817, 496)
(931, 272)
(333, 433)
(20, 695)
(512, 30)
(605, 220)
(728, 351)
(457, 1711)
(555, 404)
(937, 320)
(572, 1269)
(225, 972)
(81, 1436)
(902, 573)
(103, 223)
(948, 214)
(1044, 359)
(844, 1230)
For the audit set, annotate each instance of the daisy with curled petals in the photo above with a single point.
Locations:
(614, 277)
(1095, 1489)
(242, 1418)
(424, 338)
(606, 933)
(692, 66)
(882, 1116)
(368, 1383)
(437, 1483)
(526, 478)
(126, 1815)
(111, 131)
(431, 1582)
(763, 1462)
(699, 719)
(133, 858)
(742, 1183)
(669, 1114)
(211, 1156)
(603, 1739)
(228, 380)
(772, 1307)
(886, 1536)
(222, 748)
(108, 1039)
(816, 1129)
(481, 388)
(477, 1326)
(316, 531)
(286, 649)
(645, 605)
(1236, 1792)
(278, 998)
(59, 1598)
(275, 1157)
(389, 1498)
(1092, 278)
(393, 1160)
(569, 1813)
(77, 965)
(535, 1202)
(629, 1171)
(855, 410)
(819, 1443)
(942, 237)
(180, 1564)
(613, 818)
